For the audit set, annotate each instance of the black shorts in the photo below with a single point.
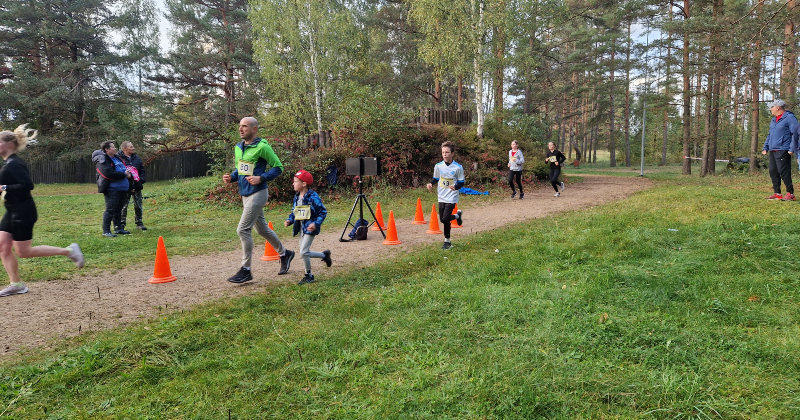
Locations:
(19, 224)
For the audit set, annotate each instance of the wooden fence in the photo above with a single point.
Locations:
(187, 164)
(444, 116)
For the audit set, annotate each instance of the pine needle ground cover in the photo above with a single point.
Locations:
(680, 302)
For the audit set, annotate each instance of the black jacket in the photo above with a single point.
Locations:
(106, 171)
(137, 163)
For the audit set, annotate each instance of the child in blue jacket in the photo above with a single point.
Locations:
(307, 216)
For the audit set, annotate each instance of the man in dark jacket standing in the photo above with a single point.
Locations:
(131, 159)
(782, 129)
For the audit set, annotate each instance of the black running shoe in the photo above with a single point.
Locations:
(286, 261)
(458, 217)
(122, 232)
(327, 259)
(446, 245)
(513, 194)
(242, 276)
(521, 196)
(308, 278)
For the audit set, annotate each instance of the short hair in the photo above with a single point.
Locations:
(106, 145)
(252, 121)
(449, 144)
(125, 144)
(21, 137)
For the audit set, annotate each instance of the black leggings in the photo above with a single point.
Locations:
(518, 176)
(446, 216)
(555, 172)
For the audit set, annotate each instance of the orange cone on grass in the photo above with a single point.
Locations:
(379, 216)
(161, 273)
(391, 234)
(453, 223)
(433, 229)
(269, 252)
(419, 218)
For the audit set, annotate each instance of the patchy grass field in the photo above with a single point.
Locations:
(680, 302)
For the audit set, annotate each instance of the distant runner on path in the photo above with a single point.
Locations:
(556, 160)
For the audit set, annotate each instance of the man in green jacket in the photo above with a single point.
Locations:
(256, 164)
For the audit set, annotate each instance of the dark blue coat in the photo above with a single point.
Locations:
(782, 133)
(318, 213)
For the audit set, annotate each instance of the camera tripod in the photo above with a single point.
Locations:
(361, 199)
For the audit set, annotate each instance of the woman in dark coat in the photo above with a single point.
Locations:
(112, 182)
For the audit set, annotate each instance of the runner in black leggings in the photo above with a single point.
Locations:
(16, 227)
(556, 160)
(515, 161)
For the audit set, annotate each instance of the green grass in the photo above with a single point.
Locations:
(600, 313)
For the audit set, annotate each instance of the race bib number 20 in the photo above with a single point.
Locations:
(245, 168)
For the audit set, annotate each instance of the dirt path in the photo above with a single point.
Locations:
(65, 308)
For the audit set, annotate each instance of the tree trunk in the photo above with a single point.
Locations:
(627, 127)
(667, 93)
(477, 8)
(315, 72)
(499, 74)
(687, 96)
(789, 65)
(612, 110)
(755, 77)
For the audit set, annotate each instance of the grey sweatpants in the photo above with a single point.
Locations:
(306, 252)
(253, 216)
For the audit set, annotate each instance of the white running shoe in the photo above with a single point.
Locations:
(558, 194)
(76, 255)
(562, 186)
(14, 289)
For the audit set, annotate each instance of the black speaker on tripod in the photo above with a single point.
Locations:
(362, 166)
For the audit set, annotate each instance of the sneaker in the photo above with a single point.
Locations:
(109, 235)
(76, 255)
(286, 261)
(775, 196)
(558, 194)
(446, 245)
(327, 259)
(123, 232)
(458, 217)
(242, 276)
(561, 186)
(308, 278)
(788, 197)
(521, 196)
(513, 194)
(14, 289)
(141, 227)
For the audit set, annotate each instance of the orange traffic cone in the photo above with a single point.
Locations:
(453, 223)
(379, 216)
(161, 272)
(419, 218)
(433, 229)
(391, 235)
(269, 252)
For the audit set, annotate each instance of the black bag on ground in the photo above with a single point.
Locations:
(359, 232)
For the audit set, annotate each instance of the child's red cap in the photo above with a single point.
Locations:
(305, 176)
